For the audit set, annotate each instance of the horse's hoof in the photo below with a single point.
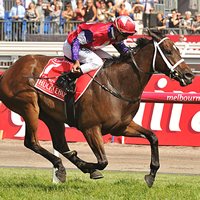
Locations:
(61, 176)
(149, 180)
(96, 175)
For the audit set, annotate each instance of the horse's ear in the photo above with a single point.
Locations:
(153, 35)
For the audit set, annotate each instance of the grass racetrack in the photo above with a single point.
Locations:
(29, 184)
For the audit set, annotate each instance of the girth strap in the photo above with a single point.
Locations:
(70, 109)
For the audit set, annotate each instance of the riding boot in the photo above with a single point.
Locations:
(67, 80)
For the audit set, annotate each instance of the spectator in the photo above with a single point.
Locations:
(79, 11)
(186, 23)
(2, 14)
(137, 14)
(110, 12)
(25, 3)
(174, 19)
(17, 13)
(122, 10)
(41, 9)
(195, 17)
(90, 12)
(136, 2)
(181, 40)
(149, 11)
(59, 2)
(52, 6)
(97, 3)
(148, 4)
(161, 21)
(137, 11)
(32, 16)
(55, 18)
(196, 25)
(127, 5)
(67, 15)
(101, 16)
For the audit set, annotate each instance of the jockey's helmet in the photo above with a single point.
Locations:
(125, 25)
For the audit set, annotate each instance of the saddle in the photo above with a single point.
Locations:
(68, 82)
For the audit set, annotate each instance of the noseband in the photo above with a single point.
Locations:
(157, 47)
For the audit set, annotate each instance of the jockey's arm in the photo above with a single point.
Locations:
(83, 37)
(75, 46)
(121, 47)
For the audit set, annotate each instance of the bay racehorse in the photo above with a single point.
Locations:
(98, 112)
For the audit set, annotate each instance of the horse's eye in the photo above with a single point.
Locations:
(168, 52)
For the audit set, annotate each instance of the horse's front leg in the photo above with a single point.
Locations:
(135, 130)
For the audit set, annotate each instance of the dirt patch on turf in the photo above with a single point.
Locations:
(121, 157)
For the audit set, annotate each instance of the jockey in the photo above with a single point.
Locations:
(84, 45)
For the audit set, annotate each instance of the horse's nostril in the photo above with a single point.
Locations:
(188, 75)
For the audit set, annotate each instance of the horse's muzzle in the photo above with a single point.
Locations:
(186, 79)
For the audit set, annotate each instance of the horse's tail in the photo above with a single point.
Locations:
(1, 104)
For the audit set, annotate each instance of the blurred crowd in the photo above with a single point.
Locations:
(36, 12)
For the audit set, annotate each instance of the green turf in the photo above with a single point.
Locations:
(37, 184)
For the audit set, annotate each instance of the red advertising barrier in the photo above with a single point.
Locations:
(170, 97)
(174, 124)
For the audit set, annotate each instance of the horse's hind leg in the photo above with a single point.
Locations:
(134, 130)
(57, 131)
(31, 139)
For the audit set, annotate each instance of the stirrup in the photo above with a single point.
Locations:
(66, 82)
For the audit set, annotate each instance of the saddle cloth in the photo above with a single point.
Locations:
(54, 68)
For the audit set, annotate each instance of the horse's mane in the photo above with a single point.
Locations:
(140, 43)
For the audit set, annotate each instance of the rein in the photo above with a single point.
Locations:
(134, 62)
(43, 77)
(102, 86)
(114, 93)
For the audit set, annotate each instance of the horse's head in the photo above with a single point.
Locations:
(175, 67)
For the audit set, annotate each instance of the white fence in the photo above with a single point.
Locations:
(11, 51)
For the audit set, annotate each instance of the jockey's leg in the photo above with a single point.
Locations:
(91, 60)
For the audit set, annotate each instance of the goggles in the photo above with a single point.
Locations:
(125, 34)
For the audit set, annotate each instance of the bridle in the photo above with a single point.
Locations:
(173, 73)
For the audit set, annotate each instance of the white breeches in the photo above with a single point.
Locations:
(91, 59)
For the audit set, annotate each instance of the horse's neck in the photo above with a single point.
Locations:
(144, 58)
(124, 79)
